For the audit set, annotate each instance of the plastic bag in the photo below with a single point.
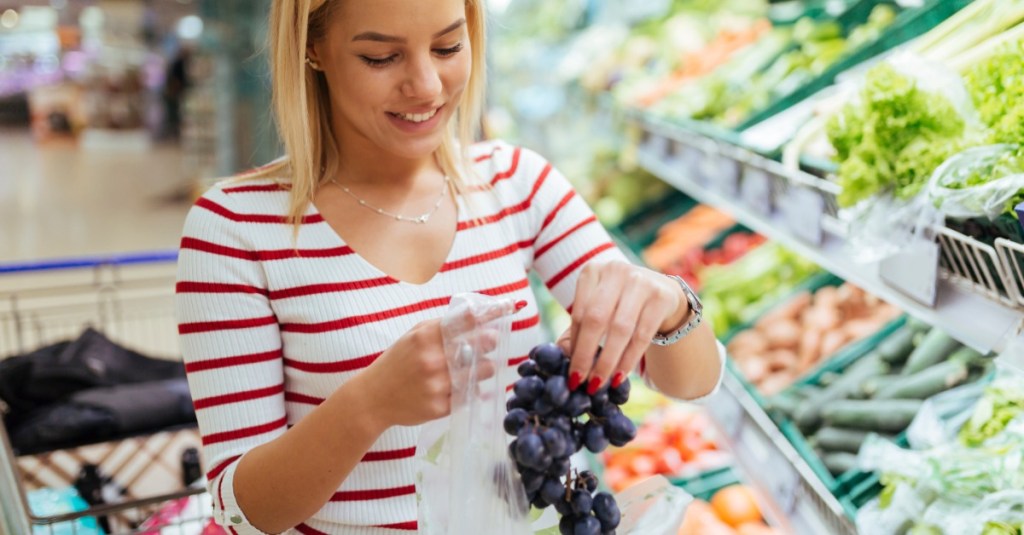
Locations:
(988, 199)
(941, 416)
(466, 483)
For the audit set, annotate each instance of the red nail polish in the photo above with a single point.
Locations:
(618, 379)
(594, 386)
(520, 305)
(575, 378)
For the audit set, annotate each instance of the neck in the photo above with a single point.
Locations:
(366, 165)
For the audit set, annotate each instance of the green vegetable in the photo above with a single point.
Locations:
(883, 415)
(840, 462)
(928, 382)
(894, 138)
(875, 384)
(1001, 403)
(897, 346)
(1000, 528)
(837, 439)
(808, 414)
(934, 348)
(785, 403)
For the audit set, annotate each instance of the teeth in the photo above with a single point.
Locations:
(417, 117)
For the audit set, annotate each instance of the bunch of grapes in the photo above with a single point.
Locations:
(551, 423)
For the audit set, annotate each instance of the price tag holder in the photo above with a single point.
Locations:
(802, 210)
(756, 191)
(914, 270)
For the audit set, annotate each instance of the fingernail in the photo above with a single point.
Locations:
(575, 378)
(595, 385)
(520, 305)
(617, 380)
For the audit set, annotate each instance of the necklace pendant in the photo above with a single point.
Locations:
(422, 219)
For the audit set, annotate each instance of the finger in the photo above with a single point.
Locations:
(621, 328)
(471, 346)
(597, 313)
(565, 341)
(586, 283)
(647, 327)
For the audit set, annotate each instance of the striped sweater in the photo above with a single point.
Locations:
(267, 335)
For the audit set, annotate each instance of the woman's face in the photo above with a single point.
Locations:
(396, 70)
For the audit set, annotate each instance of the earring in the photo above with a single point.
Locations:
(314, 65)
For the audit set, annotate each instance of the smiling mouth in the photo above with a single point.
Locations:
(416, 117)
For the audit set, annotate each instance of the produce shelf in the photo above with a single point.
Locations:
(793, 497)
(967, 315)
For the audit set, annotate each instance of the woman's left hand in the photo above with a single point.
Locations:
(626, 306)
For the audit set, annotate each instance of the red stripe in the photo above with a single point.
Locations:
(264, 187)
(486, 257)
(353, 321)
(564, 235)
(505, 212)
(203, 202)
(332, 367)
(511, 170)
(518, 360)
(525, 324)
(390, 455)
(232, 530)
(508, 288)
(245, 432)
(237, 397)
(302, 398)
(271, 254)
(483, 157)
(212, 474)
(314, 289)
(372, 494)
(220, 493)
(554, 213)
(186, 287)
(579, 262)
(226, 325)
(306, 530)
(403, 526)
(227, 362)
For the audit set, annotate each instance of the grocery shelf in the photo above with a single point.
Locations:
(793, 498)
(973, 319)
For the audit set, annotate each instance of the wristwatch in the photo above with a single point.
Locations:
(697, 314)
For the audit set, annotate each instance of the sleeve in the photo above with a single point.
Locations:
(568, 236)
(231, 346)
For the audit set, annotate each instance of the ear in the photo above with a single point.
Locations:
(312, 55)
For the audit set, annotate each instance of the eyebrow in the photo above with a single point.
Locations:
(374, 36)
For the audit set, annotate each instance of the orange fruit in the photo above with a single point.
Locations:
(736, 505)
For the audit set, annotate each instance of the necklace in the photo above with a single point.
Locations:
(421, 219)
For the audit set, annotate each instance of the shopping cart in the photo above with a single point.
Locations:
(130, 299)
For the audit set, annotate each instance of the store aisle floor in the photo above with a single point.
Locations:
(58, 200)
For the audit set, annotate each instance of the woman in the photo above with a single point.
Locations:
(310, 292)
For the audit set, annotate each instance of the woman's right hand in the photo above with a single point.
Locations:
(412, 379)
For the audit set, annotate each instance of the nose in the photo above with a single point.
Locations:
(422, 80)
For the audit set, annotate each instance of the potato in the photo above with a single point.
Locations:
(782, 334)
(833, 341)
(781, 359)
(754, 369)
(775, 383)
(790, 310)
(750, 342)
(810, 349)
(862, 328)
(822, 318)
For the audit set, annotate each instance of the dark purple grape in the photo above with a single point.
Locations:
(603, 409)
(587, 525)
(581, 502)
(529, 388)
(559, 467)
(539, 502)
(512, 449)
(549, 358)
(606, 511)
(620, 429)
(515, 420)
(567, 525)
(556, 391)
(589, 480)
(600, 397)
(594, 439)
(561, 422)
(577, 438)
(555, 442)
(620, 394)
(527, 368)
(543, 407)
(530, 452)
(578, 404)
(552, 490)
(517, 403)
(563, 507)
(532, 480)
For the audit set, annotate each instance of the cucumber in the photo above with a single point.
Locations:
(897, 347)
(835, 439)
(880, 415)
(968, 356)
(784, 403)
(872, 386)
(828, 378)
(840, 462)
(928, 382)
(933, 349)
(808, 414)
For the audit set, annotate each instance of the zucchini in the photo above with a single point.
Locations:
(840, 462)
(837, 439)
(872, 386)
(880, 415)
(828, 378)
(968, 356)
(926, 383)
(897, 347)
(808, 414)
(784, 403)
(934, 348)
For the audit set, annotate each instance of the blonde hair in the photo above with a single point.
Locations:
(302, 103)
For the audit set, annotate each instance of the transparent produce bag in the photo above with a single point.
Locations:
(980, 181)
(466, 483)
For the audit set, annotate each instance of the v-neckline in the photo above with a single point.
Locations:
(370, 266)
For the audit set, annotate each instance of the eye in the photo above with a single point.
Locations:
(446, 52)
(378, 62)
